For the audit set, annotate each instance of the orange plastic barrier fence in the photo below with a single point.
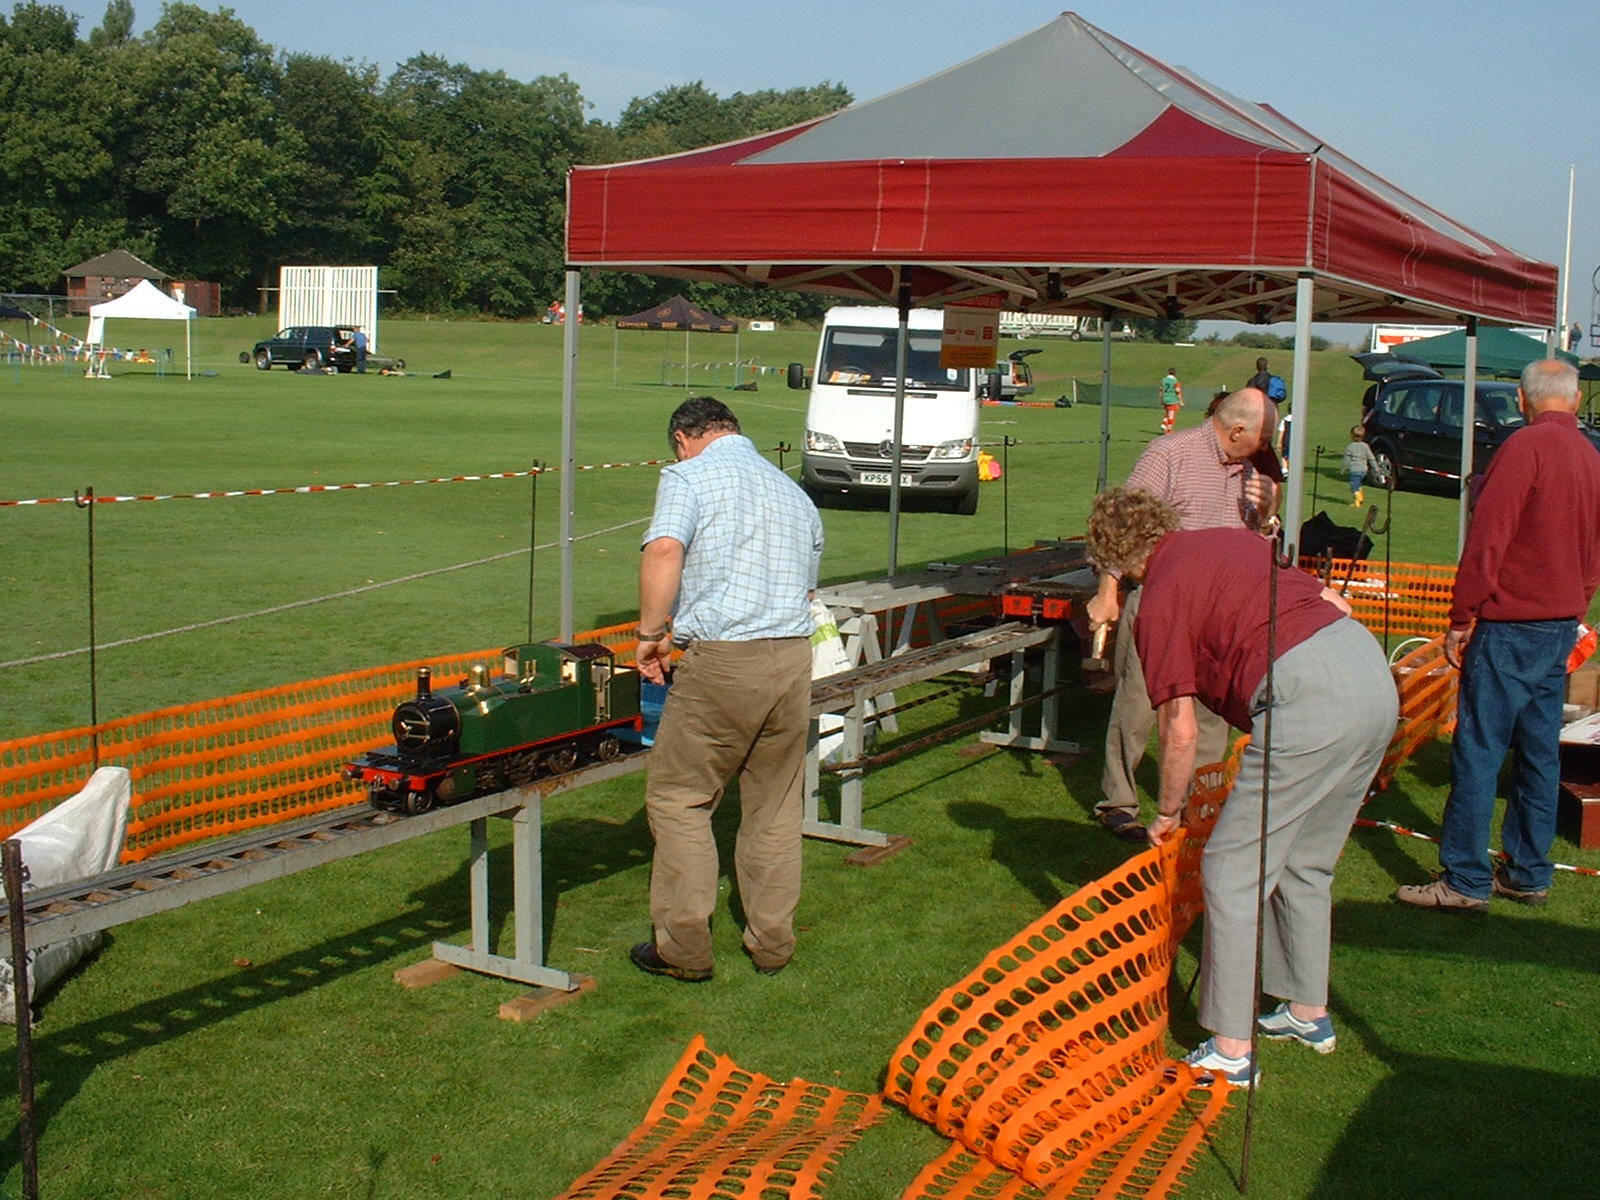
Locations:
(223, 766)
(1414, 598)
(1144, 1165)
(716, 1132)
(1048, 1064)
(1428, 685)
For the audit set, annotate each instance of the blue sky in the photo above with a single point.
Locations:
(1477, 108)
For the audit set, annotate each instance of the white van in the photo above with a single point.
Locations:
(849, 439)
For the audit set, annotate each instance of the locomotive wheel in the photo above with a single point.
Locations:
(521, 769)
(386, 799)
(561, 760)
(607, 748)
(419, 802)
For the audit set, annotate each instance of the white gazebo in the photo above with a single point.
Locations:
(144, 302)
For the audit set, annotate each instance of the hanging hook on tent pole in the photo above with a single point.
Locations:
(85, 500)
(1368, 525)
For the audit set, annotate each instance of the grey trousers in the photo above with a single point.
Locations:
(1132, 719)
(734, 708)
(1334, 716)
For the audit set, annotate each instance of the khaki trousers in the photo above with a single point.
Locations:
(1132, 719)
(735, 708)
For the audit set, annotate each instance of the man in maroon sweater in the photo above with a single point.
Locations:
(1527, 574)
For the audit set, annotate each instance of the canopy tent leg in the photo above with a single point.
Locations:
(1469, 422)
(1293, 506)
(901, 345)
(1105, 397)
(569, 437)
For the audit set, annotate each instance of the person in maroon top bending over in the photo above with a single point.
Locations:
(1203, 630)
(1527, 574)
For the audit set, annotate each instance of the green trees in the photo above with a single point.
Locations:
(203, 149)
(57, 171)
(474, 167)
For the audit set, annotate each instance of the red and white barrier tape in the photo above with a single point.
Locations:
(1493, 853)
(313, 488)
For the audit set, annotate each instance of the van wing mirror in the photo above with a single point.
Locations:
(797, 376)
(990, 388)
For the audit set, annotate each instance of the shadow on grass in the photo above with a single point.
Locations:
(1442, 1126)
(1049, 856)
(577, 852)
(1396, 929)
(64, 1059)
(1449, 1126)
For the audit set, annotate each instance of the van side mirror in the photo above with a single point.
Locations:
(990, 389)
(797, 377)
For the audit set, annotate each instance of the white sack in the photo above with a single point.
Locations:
(78, 838)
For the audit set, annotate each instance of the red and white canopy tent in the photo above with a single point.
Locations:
(1119, 186)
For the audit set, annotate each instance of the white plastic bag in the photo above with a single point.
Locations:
(828, 657)
(78, 838)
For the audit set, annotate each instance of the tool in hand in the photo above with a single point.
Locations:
(1097, 660)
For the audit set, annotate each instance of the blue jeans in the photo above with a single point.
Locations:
(1356, 480)
(1513, 682)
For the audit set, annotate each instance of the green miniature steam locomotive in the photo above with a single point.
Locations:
(553, 706)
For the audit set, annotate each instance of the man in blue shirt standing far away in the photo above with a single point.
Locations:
(728, 568)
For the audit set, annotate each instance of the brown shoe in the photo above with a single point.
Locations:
(1121, 823)
(1440, 895)
(1535, 898)
(646, 957)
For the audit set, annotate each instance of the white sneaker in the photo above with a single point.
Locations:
(1211, 1064)
(1282, 1024)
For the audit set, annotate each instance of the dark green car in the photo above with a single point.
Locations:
(313, 347)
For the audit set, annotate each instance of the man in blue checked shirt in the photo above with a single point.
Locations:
(729, 564)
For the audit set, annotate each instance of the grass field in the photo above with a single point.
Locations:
(254, 1045)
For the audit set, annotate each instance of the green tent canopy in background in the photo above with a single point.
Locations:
(1501, 351)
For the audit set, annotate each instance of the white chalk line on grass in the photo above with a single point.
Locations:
(306, 603)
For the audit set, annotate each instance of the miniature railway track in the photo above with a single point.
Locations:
(169, 881)
(138, 890)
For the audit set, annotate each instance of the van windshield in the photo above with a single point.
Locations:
(865, 358)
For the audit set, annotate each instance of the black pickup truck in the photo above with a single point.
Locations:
(312, 346)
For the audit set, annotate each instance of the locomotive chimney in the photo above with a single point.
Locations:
(424, 682)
